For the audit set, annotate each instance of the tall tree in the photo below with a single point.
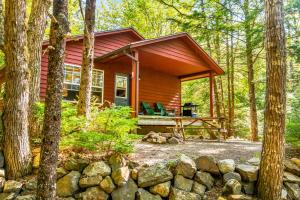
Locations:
(15, 118)
(52, 117)
(87, 60)
(36, 29)
(1, 26)
(271, 166)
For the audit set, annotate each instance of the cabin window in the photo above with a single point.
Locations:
(121, 86)
(72, 83)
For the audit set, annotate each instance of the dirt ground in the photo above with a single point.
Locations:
(239, 150)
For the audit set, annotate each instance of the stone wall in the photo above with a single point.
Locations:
(180, 179)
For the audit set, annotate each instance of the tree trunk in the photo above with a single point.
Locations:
(232, 120)
(1, 26)
(251, 85)
(271, 166)
(35, 33)
(87, 60)
(229, 122)
(52, 118)
(15, 122)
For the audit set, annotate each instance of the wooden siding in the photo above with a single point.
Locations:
(73, 55)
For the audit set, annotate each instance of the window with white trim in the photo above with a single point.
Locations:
(72, 83)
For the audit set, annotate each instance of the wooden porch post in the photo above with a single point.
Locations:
(135, 85)
(211, 94)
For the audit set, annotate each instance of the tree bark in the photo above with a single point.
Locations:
(85, 90)
(15, 119)
(36, 29)
(271, 166)
(1, 26)
(250, 65)
(52, 118)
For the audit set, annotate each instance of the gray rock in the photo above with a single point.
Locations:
(93, 193)
(145, 195)
(107, 185)
(120, 176)
(291, 178)
(2, 172)
(254, 161)
(26, 197)
(296, 161)
(60, 172)
(249, 187)
(12, 186)
(76, 164)
(90, 181)
(204, 178)
(7, 196)
(186, 167)
(199, 188)
(68, 185)
(207, 164)
(154, 175)
(177, 194)
(226, 166)
(134, 174)
(1, 159)
(162, 189)
(284, 194)
(239, 197)
(173, 140)
(232, 175)
(293, 190)
(97, 168)
(117, 161)
(183, 183)
(248, 172)
(30, 184)
(126, 192)
(2, 182)
(291, 167)
(232, 187)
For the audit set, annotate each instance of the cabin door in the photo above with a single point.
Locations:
(122, 89)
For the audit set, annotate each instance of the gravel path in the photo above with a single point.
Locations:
(239, 150)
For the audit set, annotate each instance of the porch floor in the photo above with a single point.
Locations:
(149, 120)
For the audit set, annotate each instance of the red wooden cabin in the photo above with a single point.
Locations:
(129, 69)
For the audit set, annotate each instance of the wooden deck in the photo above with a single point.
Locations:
(147, 120)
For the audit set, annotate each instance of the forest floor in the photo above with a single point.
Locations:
(239, 150)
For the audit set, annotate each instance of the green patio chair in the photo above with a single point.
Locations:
(146, 108)
(163, 111)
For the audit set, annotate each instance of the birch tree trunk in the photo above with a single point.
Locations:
(87, 60)
(271, 166)
(52, 118)
(36, 29)
(15, 122)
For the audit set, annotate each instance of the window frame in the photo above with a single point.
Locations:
(78, 66)
(126, 88)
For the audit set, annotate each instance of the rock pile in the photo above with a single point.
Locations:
(180, 179)
(163, 138)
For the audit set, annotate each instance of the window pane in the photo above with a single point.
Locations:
(121, 86)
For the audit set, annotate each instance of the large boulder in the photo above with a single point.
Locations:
(76, 164)
(126, 192)
(248, 187)
(186, 167)
(162, 189)
(97, 168)
(207, 164)
(145, 195)
(107, 185)
(60, 172)
(117, 161)
(205, 178)
(293, 190)
(90, 181)
(2, 172)
(254, 161)
(226, 166)
(68, 185)
(198, 188)
(183, 183)
(173, 140)
(248, 172)
(93, 193)
(239, 197)
(154, 175)
(12, 186)
(291, 178)
(232, 187)
(177, 194)
(120, 176)
(26, 197)
(1, 159)
(232, 175)
(7, 196)
(296, 161)
(291, 167)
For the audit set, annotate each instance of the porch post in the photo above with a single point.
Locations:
(211, 94)
(135, 85)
